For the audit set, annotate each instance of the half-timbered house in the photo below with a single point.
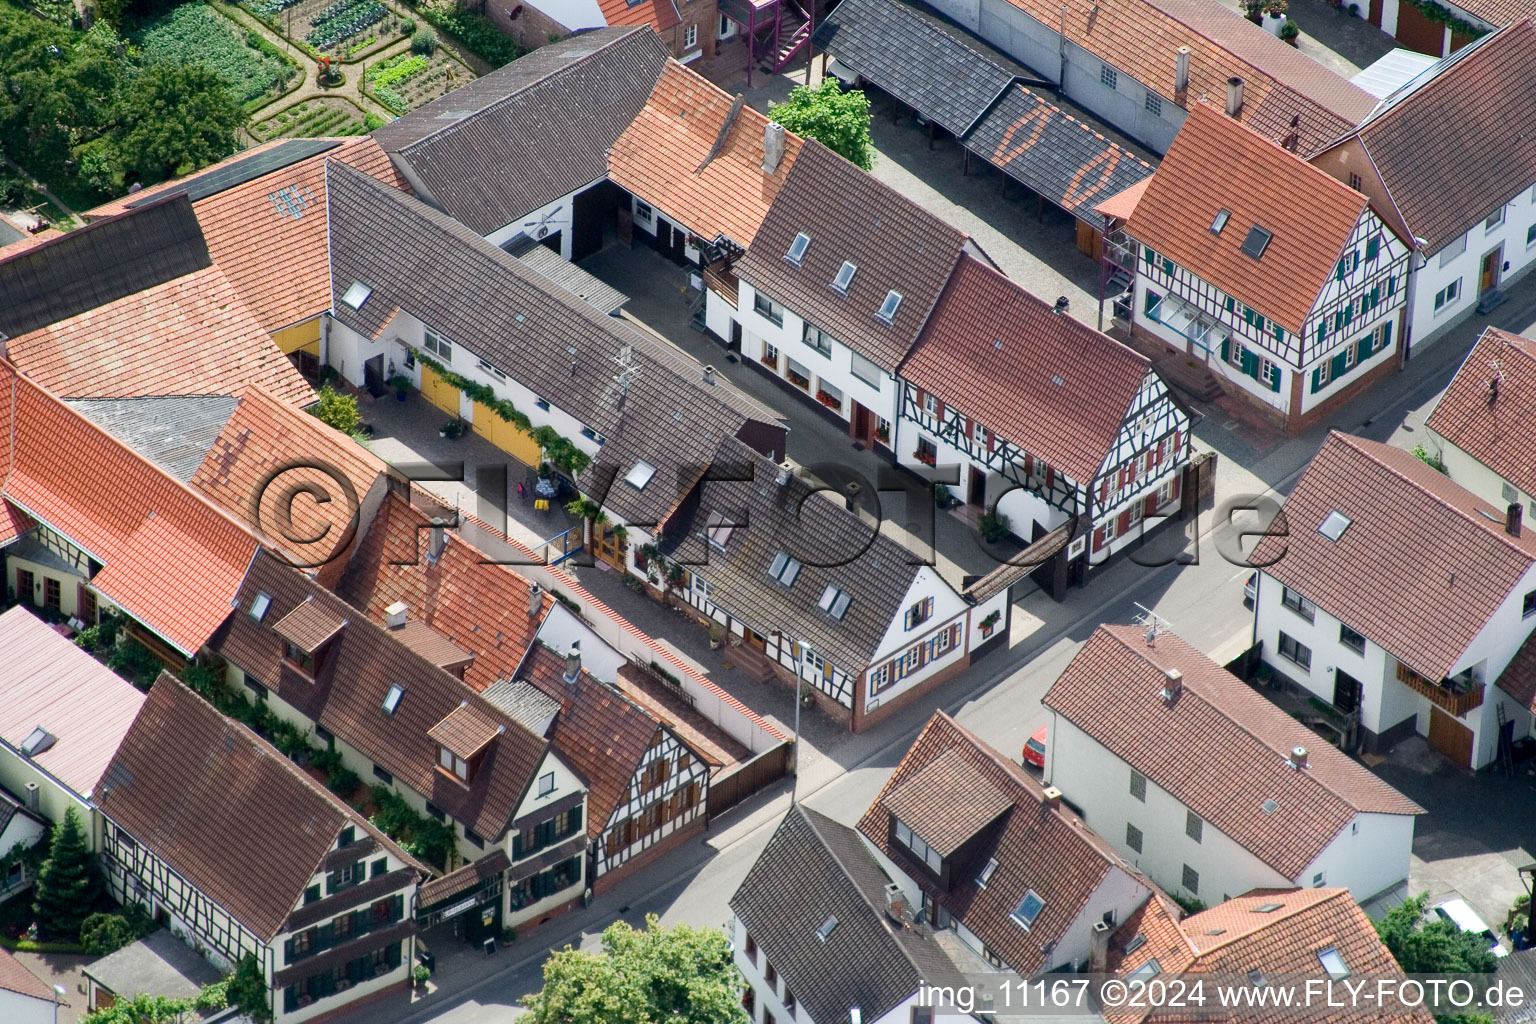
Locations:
(811, 592)
(1292, 310)
(1048, 422)
(317, 895)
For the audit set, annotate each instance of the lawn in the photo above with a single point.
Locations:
(250, 69)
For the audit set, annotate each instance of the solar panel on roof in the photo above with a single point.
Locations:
(284, 154)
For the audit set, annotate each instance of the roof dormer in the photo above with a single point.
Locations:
(463, 739)
(305, 632)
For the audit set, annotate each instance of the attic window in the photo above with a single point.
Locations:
(784, 568)
(1257, 241)
(260, 605)
(825, 930)
(889, 307)
(1028, 909)
(1269, 806)
(356, 294)
(1267, 908)
(844, 277)
(797, 248)
(392, 698)
(986, 873)
(718, 530)
(1222, 216)
(37, 741)
(1256, 977)
(1334, 525)
(639, 475)
(1150, 969)
(834, 601)
(1333, 963)
(1137, 941)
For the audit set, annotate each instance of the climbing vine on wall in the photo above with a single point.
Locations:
(1459, 25)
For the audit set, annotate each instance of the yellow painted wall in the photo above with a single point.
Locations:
(504, 435)
(439, 392)
(305, 337)
(69, 584)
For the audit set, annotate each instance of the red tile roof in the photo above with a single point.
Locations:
(172, 559)
(277, 262)
(1217, 164)
(1419, 550)
(45, 680)
(1049, 851)
(1444, 149)
(1012, 390)
(1141, 38)
(14, 977)
(309, 626)
(1494, 426)
(674, 158)
(192, 786)
(13, 521)
(192, 335)
(299, 483)
(1122, 204)
(1112, 691)
(479, 605)
(659, 14)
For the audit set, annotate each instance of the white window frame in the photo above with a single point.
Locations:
(1448, 296)
(436, 344)
(818, 341)
(690, 37)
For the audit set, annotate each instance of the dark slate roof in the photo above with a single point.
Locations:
(1053, 153)
(222, 779)
(159, 964)
(928, 69)
(531, 132)
(100, 263)
(355, 674)
(814, 869)
(175, 433)
(543, 260)
(872, 569)
(852, 216)
(540, 335)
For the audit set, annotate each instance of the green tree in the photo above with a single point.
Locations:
(1435, 947)
(105, 933)
(176, 118)
(681, 974)
(68, 885)
(838, 120)
(143, 1009)
(247, 989)
(337, 410)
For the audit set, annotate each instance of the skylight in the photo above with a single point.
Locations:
(1270, 806)
(1137, 941)
(357, 294)
(392, 698)
(1256, 242)
(1256, 976)
(844, 277)
(797, 248)
(826, 928)
(1150, 969)
(260, 605)
(1333, 963)
(1222, 216)
(718, 530)
(1028, 909)
(834, 601)
(889, 307)
(1267, 908)
(784, 568)
(639, 475)
(986, 873)
(1334, 525)
(38, 741)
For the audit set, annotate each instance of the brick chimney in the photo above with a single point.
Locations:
(1512, 518)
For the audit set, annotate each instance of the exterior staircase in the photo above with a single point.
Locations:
(794, 34)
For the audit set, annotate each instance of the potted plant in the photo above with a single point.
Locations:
(993, 525)
(716, 637)
(453, 428)
(1290, 32)
(1253, 10)
(401, 383)
(989, 623)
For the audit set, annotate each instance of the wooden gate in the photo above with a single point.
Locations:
(1417, 32)
(439, 392)
(732, 787)
(1450, 737)
(505, 435)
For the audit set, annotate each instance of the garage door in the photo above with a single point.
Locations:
(1417, 32)
(439, 392)
(1450, 737)
(505, 435)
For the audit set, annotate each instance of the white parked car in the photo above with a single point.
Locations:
(1461, 914)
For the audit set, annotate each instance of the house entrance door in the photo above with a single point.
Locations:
(1346, 691)
(1450, 737)
(977, 492)
(1491, 264)
(373, 375)
(861, 423)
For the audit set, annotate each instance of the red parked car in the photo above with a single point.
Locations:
(1034, 750)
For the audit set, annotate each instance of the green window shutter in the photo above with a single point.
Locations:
(1338, 365)
(1247, 316)
(1250, 364)
(517, 846)
(1322, 331)
(1349, 313)
(1386, 335)
(1149, 255)
(1372, 248)
(1168, 266)
(1391, 286)
(1226, 349)
(1274, 381)
(1356, 263)
(1364, 351)
(1279, 333)
(1150, 306)
(1258, 322)
(1231, 304)
(1338, 271)
(1317, 379)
